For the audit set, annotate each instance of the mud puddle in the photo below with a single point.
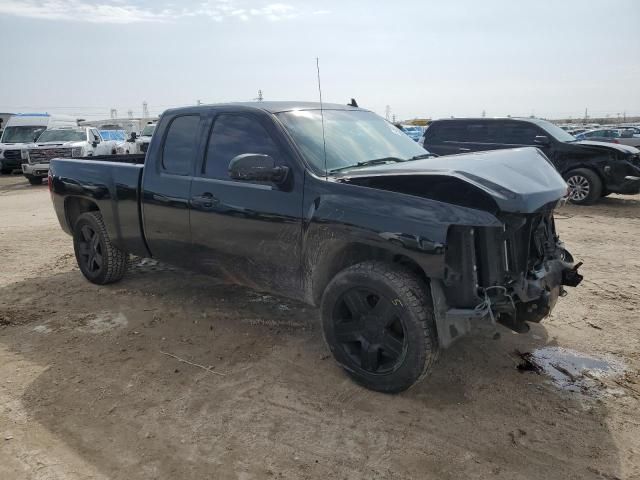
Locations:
(573, 371)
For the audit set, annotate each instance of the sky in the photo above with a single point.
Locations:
(433, 59)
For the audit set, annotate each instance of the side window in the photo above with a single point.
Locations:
(234, 135)
(447, 132)
(181, 145)
(520, 133)
(477, 132)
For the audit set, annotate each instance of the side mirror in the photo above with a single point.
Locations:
(134, 135)
(257, 167)
(94, 143)
(541, 140)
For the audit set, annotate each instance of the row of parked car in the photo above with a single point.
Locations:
(30, 141)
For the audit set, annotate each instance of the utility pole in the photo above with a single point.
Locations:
(387, 112)
(618, 118)
(198, 102)
(114, 113)
(586, 115)
(484, 114)
(145, 109)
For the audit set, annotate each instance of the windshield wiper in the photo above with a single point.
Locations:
(375, 161)
(421, 156)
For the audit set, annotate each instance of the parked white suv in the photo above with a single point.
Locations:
(22, 129)
(63, 142)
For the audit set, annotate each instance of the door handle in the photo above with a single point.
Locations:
(206, 200)
(464, 149)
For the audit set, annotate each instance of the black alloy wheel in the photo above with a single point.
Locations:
(369, 329)
(377, 320)
(99, 260)
(90, 249)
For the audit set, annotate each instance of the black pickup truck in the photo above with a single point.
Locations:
(403, 252)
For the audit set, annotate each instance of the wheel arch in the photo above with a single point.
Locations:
(76, 206)
(350, 254)
(586, 167)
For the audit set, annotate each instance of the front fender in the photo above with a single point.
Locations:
(339, 218)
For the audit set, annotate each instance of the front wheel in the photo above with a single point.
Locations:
(585, 186)
(34, 180)
(99, 261)
(378, 322)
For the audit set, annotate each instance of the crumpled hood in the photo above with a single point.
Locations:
(519, 180)
(593, 145)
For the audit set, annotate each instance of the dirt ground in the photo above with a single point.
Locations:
(90, 386)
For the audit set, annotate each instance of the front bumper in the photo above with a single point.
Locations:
(541, 291)
(630, 185)
(10, 163)
(35, 169)
(623, 177)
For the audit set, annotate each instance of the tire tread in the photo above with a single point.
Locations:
(116, 260)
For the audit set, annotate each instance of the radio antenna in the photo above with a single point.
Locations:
(324, 142)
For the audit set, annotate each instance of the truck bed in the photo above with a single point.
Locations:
(112, 182)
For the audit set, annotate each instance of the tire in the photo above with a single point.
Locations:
(378, 322)
(34, 180)
(99, 261)
(585, 186)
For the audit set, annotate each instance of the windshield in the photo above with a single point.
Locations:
(147, 131)
(21, 134)
(118, 135)
(555, 131)
(351, 136)
(63, 136)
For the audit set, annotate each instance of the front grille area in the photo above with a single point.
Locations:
(12, 154)
(485, 257)
(44, 155)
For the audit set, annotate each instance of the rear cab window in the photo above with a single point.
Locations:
(180, 145)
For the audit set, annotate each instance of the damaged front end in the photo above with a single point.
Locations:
(512, 274)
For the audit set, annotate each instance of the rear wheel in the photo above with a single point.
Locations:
(585, 187)
(378, 322)
(99, 261)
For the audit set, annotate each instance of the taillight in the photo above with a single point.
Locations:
(616, 141)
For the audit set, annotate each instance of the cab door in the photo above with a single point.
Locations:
(246, 231)
(167, 178)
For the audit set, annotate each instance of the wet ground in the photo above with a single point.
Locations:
(170, 375)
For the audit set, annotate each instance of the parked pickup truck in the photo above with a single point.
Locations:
(63, 142)
(402, 252)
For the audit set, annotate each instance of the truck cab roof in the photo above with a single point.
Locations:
(273, 107)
